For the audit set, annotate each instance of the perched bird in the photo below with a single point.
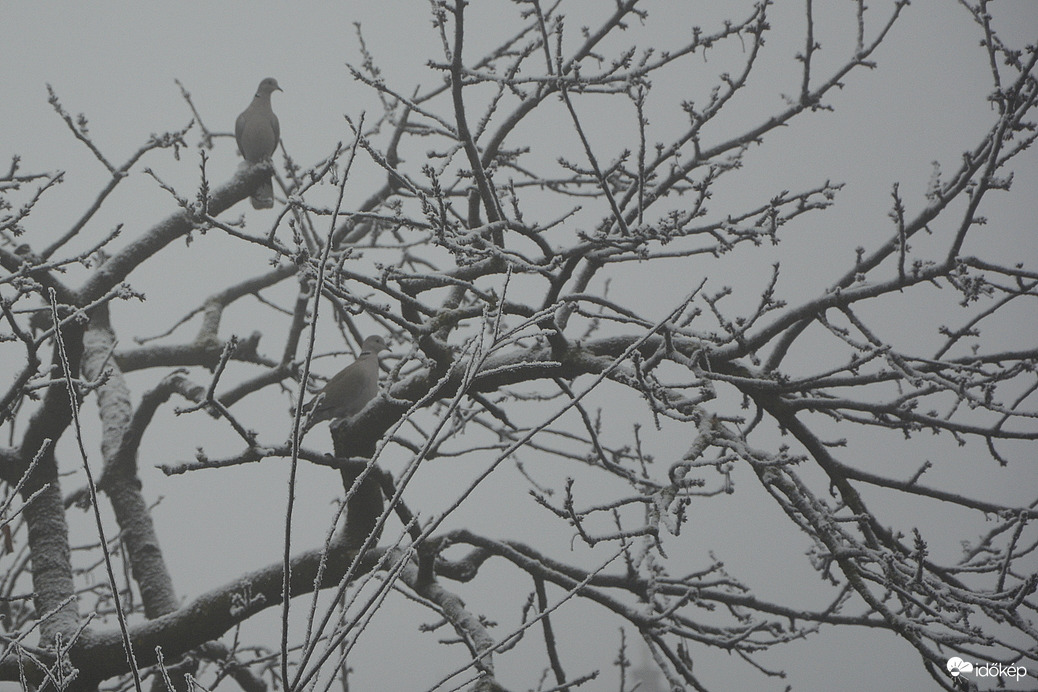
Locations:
(353, 387)
(258, 133)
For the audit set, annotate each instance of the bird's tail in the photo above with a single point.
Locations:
(263, 197)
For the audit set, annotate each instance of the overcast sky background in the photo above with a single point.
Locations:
(117, 62)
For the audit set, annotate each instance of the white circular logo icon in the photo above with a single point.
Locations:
(957, 666)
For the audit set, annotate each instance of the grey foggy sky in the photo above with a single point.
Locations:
(117, 62)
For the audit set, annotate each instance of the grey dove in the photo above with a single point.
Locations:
(354, 386)
(258, 132)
